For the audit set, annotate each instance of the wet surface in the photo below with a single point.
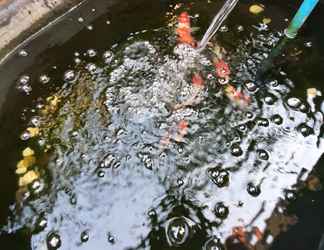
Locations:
(118, 167)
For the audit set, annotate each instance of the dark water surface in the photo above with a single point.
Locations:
(102, 102)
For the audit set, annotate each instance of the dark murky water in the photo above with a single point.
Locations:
(103, 179)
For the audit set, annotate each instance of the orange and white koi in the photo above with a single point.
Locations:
(184, 30)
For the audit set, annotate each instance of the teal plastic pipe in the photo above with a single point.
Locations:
(299, 19)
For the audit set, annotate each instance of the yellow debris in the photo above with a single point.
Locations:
(53, 100)
(266, 20)
(256, 9)
(312, 92)
(33, 131)
(26, 162)
(28, 178)
(21, 170)
(28, 152)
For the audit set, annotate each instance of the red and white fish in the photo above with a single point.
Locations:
(184, 30)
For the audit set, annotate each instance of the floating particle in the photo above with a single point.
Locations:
(240, 28)
(253, 190)
(256, 9)
(177, 231)
(277, 119)
(266, 20)
(290, 195)
(80, 19)
(108, 57)
(223, 28)
(37, 186)
(53, 241)
(236, 150)
(308, 44)
(69, 76)
(312, 92)
(23, 53)
(28, 152)
(84, 237)
(91, 67)
(108, 22)
(44, 79)
(221, 211)
(90, 27)
(28, 178)
(25, 136)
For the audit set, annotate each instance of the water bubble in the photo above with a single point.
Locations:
(294, 102)
(77, 60)
(270, 99)
(80, 19)
(108, 22)
(263, 155)
(177, 231)
(219, 176)
(69, 76)
(308, 44)
(262, 122)
(111, 238)
(251, 86)
(93, 10)
(41, 224)
(249, 115)
(223, 28)
(290, 195)
(107, 161)
(213, 244)
(37, 186)
(91, 53)
(221, 211)
(305, 130)
(90, 27)
(277, 119)
(25, 135)
(101, 174)
(44, 79)
(91, 67)
(23, 53)
(180, 182)
(253, 190)
(242, 128)
(152, 213)
(84, 237)
(53, 241)
(236, 150)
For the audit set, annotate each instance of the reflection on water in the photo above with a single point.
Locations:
(105, 179)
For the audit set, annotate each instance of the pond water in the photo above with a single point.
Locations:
(106, 161)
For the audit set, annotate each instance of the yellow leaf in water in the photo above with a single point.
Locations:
(266, 20)
(33, 131)
(28, 152)
(28, 178)
(256, 9)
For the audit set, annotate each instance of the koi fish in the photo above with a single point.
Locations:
(197, 80)
(184, 30)
(222, 69)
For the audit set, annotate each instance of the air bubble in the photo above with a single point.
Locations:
(240, 28)
(308, 44)
(305, 130)
(221, 211)
(41, 224)
(249, 115)
(263, 155)
(53, 241)
(101, 174)
(91, 53)
(107, 161)
(111, 238)
(219, 176)
(263, 122)
(25, 136)
(151, 213)
(277, 119)
(177, 231)
(37, 187)
(236, 150)
(270, 99)
(251, 86)
(91, 67)
(213, 244)
(290, 195)
(253, 190)
(35, 121)
(80, 19)
(84, 237)
(180, 182)
(69, 76)
(90, 27)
